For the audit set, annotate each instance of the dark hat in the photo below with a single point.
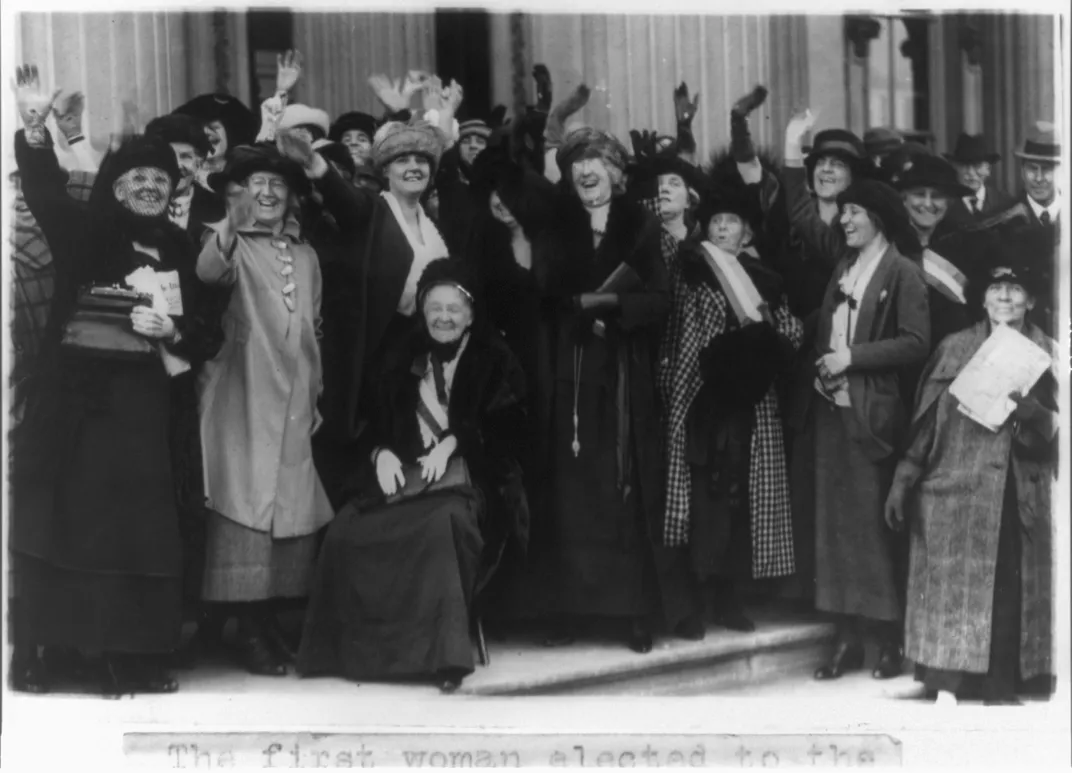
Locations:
(237, 119)
(353, 121)
(337, 153)
(840, 143)
(882, 140)
(651, 161)
(885, 203)
(1001, 258)
(900, 160)
(481, 125)
(972, 149)
(139, 151)
(1041, 144)
(716, 198)
(522, 190)
(176, 127)
(927, 171)
(586, 143)
(261, 157)
(447, 271)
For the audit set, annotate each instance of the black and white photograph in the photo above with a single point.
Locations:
(590, 385)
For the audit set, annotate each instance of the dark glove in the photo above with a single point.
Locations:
(1028, 409)
(596, 303)
(543, 87)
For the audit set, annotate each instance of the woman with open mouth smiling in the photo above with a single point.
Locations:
(873, 324)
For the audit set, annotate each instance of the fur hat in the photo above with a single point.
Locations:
(139, 151)
(238, 120)
(353, 121)
(261, 157)
(585, 143)
(310, 117)
(882, 201)
(418, 137)
(177, 127)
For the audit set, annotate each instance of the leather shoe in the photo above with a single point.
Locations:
(847, 657)
(29, 674)
(691, 628)
(640, 639)
(890, 663)
(259, 657)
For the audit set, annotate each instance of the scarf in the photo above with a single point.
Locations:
(423, 254)
(699, 314)
(433, 405)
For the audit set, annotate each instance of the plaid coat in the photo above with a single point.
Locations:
(955, 519)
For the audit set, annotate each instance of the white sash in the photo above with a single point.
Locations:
(741, 291)
(944, 276)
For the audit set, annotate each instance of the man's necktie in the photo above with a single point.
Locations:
(1045, 218)
(974, 204)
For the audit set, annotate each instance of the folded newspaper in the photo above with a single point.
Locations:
(1007, 362)
(164, 288)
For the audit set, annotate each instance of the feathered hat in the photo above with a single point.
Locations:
(238, 120)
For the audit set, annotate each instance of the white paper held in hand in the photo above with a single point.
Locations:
(1007, 362)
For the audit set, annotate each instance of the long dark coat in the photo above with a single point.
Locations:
(107, 521)
(955, 519)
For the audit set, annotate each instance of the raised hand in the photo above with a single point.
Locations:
(800, 124)
(684, 108)
(288, 70)
(295, 147)
(389, 93)
(415, 82)
(68, 111)
(34, 104)
(543, 87)
(453, 95)
(432, 95)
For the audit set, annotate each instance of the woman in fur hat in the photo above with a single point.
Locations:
(98, 558)
(874, 323)
(980, 592)
(389, 239)
(609, 284)
(403, 565)
(355, 130)
(259, 403)
(730, 337)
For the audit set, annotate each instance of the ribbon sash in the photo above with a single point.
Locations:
(740, 290)
(944, 277)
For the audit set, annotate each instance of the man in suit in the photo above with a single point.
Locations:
(973, 160)
(1034, 219)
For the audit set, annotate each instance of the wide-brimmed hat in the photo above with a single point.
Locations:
(261, 157)
(972, 149)
(395, 139)
(882, 140)
(176, 127)
(928, 171)
(302, 115)
(353, 121)
(900, 161)
(842, 144)
(1041, 144)
(237, 119)
(885, 202)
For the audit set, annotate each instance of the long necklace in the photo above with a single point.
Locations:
(578, 360)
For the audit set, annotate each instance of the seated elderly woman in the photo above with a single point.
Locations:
(979, 623)
(434, 505)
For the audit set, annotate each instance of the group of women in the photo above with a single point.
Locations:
(598, 387)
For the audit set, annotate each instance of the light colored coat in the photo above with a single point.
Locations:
(955, 519)
(258, 396)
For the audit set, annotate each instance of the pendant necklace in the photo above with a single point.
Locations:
(578, 360)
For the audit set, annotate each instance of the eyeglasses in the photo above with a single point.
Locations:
(274, 184)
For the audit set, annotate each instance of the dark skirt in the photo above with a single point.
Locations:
(393, 590)
(1003, 676)
(99, 564)
(855, 566)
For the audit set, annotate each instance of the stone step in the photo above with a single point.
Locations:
(782, 646)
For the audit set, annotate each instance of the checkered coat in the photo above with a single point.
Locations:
(954, 520)
(701, 313)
